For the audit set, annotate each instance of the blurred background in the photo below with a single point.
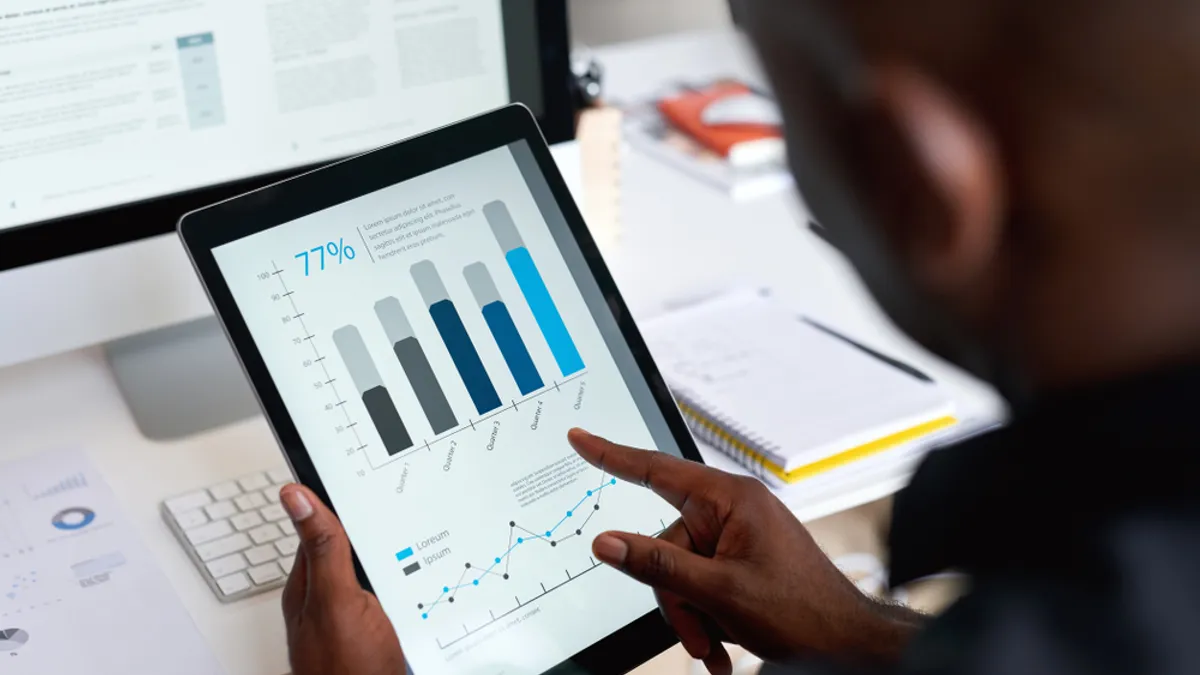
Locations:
(600, 22)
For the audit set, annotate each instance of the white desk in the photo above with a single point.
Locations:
(680, 241)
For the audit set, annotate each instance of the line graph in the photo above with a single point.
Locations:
(449, 593)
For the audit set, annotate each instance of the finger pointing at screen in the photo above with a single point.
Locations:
(738, 563)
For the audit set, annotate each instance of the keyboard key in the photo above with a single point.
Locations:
(266, 534)
(223, 547)
(261, 554)
(273, 513)
(287, 547)
(189, 519)
(254, 482)
(189, 502)
(220, 510)
(233, 584)
(226, 490)
(222, 567)
(210, 532)
(250, 502)
(265, 574)
(272, 494)
(287, 527)
(287, 563)
(280, 476)
(246, 521)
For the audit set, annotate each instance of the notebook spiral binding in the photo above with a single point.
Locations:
(725, 434)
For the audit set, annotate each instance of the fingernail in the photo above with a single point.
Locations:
(611, 550)
(296, 503)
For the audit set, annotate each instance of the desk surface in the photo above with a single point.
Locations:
(680, 241)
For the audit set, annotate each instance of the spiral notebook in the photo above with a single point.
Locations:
(785, 396)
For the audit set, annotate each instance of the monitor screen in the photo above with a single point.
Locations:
(109, 102)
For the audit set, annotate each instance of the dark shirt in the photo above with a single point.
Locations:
(1079, 526)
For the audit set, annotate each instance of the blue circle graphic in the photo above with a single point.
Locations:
(74, 518)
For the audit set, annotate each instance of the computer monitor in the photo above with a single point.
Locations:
(118, 116)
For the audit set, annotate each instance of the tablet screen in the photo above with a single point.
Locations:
(433, 342)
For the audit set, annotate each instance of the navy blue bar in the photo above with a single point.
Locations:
(465, 356)
(516, 355)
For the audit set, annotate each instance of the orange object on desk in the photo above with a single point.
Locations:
(686, 113)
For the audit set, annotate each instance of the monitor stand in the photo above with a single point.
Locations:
(181, 380)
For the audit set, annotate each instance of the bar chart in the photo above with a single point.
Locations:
(529, 279)
(416, 355)
(450, 341)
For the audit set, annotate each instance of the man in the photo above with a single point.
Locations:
(1017, 183)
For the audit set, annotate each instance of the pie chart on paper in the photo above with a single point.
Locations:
(12, 639)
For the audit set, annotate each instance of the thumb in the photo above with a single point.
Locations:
(663, 565)
(326, 549)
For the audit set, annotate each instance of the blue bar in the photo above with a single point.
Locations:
(544, 311)
(405, 554)
(516, 355)
(466, 358)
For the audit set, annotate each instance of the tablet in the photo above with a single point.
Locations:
(422, 325)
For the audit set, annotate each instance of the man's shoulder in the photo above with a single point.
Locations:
(1133, 606)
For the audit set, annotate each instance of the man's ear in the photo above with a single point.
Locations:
(935, 171)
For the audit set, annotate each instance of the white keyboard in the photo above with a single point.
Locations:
(237, 533)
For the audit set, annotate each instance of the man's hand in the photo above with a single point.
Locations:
(738, 567)
(334, 627)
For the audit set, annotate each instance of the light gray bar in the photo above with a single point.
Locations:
(395, 321)
(357, 359)
(480, 282)
(429, 283)
(503, 226)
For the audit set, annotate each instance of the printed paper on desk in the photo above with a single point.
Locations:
(79, 592)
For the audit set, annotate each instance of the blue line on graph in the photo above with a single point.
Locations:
(447, 590)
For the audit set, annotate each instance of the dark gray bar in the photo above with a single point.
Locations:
(416, 365)
(375, 396)
(425, 385)
(479, 280)
(387, 421)
(415, 567)
(503, 226)
(429, 283)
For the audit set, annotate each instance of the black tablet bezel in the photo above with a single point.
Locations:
(204, 230)
(55, 238)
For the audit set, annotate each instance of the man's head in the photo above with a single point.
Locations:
(1017, 181)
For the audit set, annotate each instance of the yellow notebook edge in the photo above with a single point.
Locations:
(829, 463)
